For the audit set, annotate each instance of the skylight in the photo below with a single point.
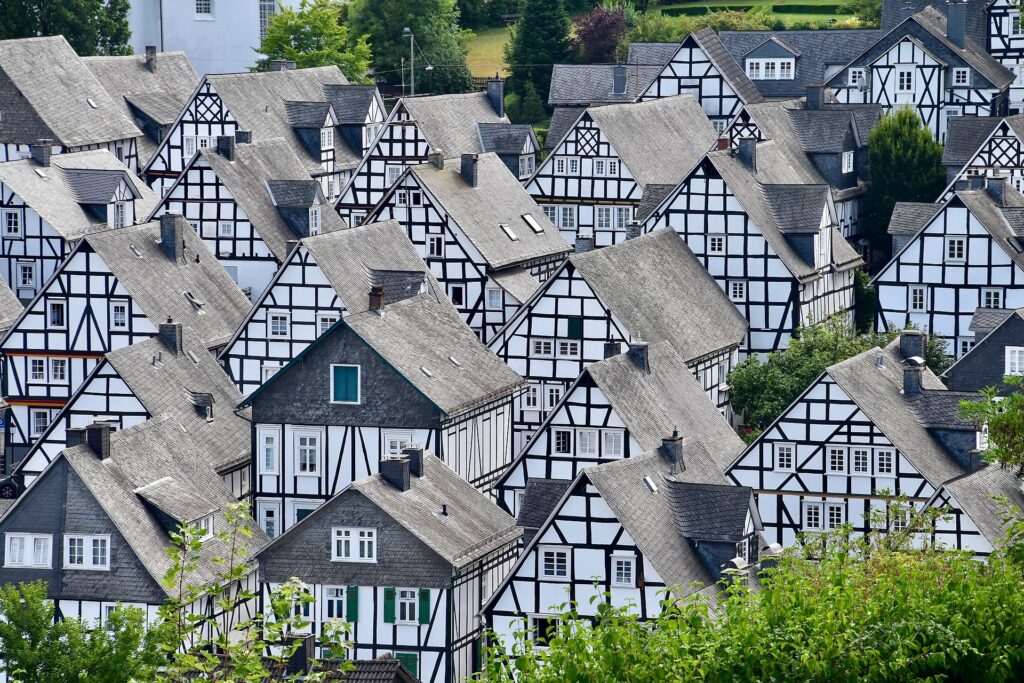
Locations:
(92, 103)
(534, 225)
(651, 486)
(426, 372)
(135, 250)
(40, 172)
(508, 231)
(454, 361)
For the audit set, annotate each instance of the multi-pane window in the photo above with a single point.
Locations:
(354, 544)
(918, 298)
(314, 221)
(786, 70)
(204, 8)
(278, 324)
(1014, 360)
(39, 420)
(11, 222)
(812, 516)
(531, 398)
(848, 162)
(1015, 24)
(307, 453)
(623, 574)
(604, 218)
(554, 563)
(57, 314)
(28, 550)
(961, 77)
(991, 298)
(267, 9)
(552, 395)
(527, 165)
(435, 245)
(956, 249)
(551, 212)
(326, 138)
(58, 369)
(87, 552)
(784, 457)
(836, 460)
(738, 290)
(542, 347)
(325, 321)
(393, 173)
(855, 76)
(225, 229)
(613, 442)
(574, 165)
(770, 69)
(494, 299)
(835, 515)
(37, 369)
(268, 519)
(884, 462)
(905, 80)
(562, 441)
(716, 244)
(119, 217)
(861, 461)
(269, 451)
(567, 217)
(586, 442)
(568, 348)
(966, 345)
(407, 600)
(26, 274)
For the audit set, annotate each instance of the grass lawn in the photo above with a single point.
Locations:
(486, 52)
(787, 18)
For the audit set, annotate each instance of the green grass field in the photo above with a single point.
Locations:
(485, 52)
(787, 18)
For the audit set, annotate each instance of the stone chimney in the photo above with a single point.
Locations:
(672, 450)
(618, 80)
(151, 58)
(226, 146)
(469, 169)
(815, 96)
(243, 137)
(956, 23)
(912, 343)
(638, 354)
(41, 151)
(377, 299)
(747, 152)
(584, 243)
(282, 65)
(496, 94)
(414, 454)
(996, 189)
(396, 472)
(436, 159)
(612, 348)
(912, 372)
(172, 236)
(170, 335)
(97, 435)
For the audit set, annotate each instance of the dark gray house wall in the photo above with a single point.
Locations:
(40, 510)
(305, 551)
(301, 393)
(767, 49)
(985, 364)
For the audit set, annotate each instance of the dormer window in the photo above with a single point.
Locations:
(961, 77)
(204, 527)
(848, 162)
(326, 138)
(314, 221)
(118, 218)
(855, 77)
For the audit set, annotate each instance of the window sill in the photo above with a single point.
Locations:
(86, 569)
(352, 561)
(205, 17)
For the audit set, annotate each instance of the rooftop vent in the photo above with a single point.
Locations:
(651, 486)
(454, 361)
(135, 250)
(92, 103)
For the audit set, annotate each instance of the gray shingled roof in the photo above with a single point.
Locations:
(974, 494)
(651, 54)
(57, 86)
(503, 138)
(991, 318)
(909, 217)
(654, 194)
(709, 512)
(97, 186)
(895, 11)
(54, 194)
(965, 135)
(659, 141)
(176, 500)
(941, 409)
(797, 208)
(562, 120)
(294, 194)
(139, 456)
(659, 291)
(10, 307)
(877, 389)
(589, 84)
(1005, 224)
(159, 286)
(422, 335)
(498, 199)
(307, 114)
(448, 122)
(540, 498)
(351, 102)
(825, 130)
(517, 281)
(727, 65)
(247, 177)
(160, 94)
(974, 52)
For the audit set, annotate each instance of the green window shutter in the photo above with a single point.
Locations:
(346, 383)
(575, 328)
(352, 604)
(410, 660)
(424, 606)
(389, 605)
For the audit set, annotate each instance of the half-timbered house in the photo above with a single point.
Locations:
(452, 124)
(877, 425)
(928, 64)
(965, 255)
(516, 145)
(406, 557)
(48, 203)
(768, 234)
(314, 110)
(593, 181)
(482, 235)
(618, 408)
(649, 289)
(974, 518)
(150, 89)
(404, 372)
(985, 146)
(323, 279)
(250, 201)
(96, 525)
(114, 289)
(1006, 44)
(997, 353)
(49, 96)
(630, 533)
(169, 374)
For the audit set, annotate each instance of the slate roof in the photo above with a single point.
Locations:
(974, 494)
(909, 217)
(449, 122)
(54, 195)
(540, 498)
(57, 85)
(504, 138)
(654, 194)
(97, 186)
(139, 456)
(351, 102)
(424, 333)
(727, 66)
(176, 500)
(659, 291)
(709, 512)
(498, 199)
(965, 135)
(818, 50)
(307, 114)
(158, 285)
(562, 120)
(991, 318)
(659, 141)
(589, 84)
(517, 281)
(895, 11)
(796, 208)
(247, 177)
(941, 409)
(974, 52)
(294, 194)
(877, 389)
(652, 54)
(824, 130)
(160, 93)
(1005, 224)
(10, 307)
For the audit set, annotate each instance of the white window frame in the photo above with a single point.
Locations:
(805, 516)
(716, 244)
(827, 520)
(392, 173)
(531, 397)
(527, 165)
(314, 221)
(32, 414)
(591, 437)
(776, 450)
(22, 268)
(89, 548)
(542, 552)
(737, 295)
(459, 300)
(991, 297)
(225, 229)
(357, 536)
(204, 9)
(902, 71)
(435, 246)
(553, 393)
(961, 77)
(407, 606)
(33, 363)
(613, 441)
(264, 507)
(891, 453)
(848, 161)
(274, 435)
(401, 436)
(11, 218)
(120, 217)
(856, 76)
(568, 348)
(494, 299)
(912, 291)
(265, 372)
(832, 451)
(61, 304)
(58, 368)
(326, 138)
(627, 559)
(271, 327)
(955, 243)
(567, 217)
(325, 321)
(188, 146)
(542, 347)
(1014, 360)
(860, 460)
(556, 434)
(297, 449)
(28, 550)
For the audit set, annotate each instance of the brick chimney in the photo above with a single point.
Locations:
(956, 23)
(97, 435)
(469, 169)
(723, 143)
(496, 94)
(151, 58)
(226, 146)
(414, 454)
(747, 152)
(172, 236)
(377, 299)
(170, 335)
(41, 151)
(396, 471)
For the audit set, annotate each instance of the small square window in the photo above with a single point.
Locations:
(884, 462)
(918, 299)
(204, 8)
(837, 460)
(623, 571)
(991, 298)
(345, 384)
(961, 77)
(737, 290)
(278, 324)
(325, 321)
(225, 229)
(785, 458)
(716, 244)
(956, 249)
(494, 299)
(568, 348)
(855, 76)
(554, 563)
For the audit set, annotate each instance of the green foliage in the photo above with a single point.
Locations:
(539, 39)
(904, 165)
(1003, 415)
(868, 12)
(312, 35)
(596, 35)
(435, 24)
(661, 27)
(865, 303)
(93, 27)
(39, 650)
(846, 608)
(525, 108)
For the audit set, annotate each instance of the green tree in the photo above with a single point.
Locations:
(1002, 414)
(539, 39)
(904, 165)
(313, 35)
(440, 41)
(39, 649)
(865, 303)
(868, 12)
(93, 27)
(525, 108)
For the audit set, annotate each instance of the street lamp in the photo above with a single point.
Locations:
(407, 33)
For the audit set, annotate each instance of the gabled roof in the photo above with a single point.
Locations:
(58, 87)
(448, 122)
(497, 199)
(308, 114)
(351, 102)
(651, 54)
(294, 194)
(709, 512)
(98, 186)
(991, 318)
(975, 493)
(1005, 223)
(54, 195)
(517, 281)
(659, 141)
(10, 307)
(824, 131)
(562, 121)
(503, 138)
(590, 84)
(965, 135)
(247, 177)
(974, 53)
(895, 11)
(909, 217)
(726, 65)
(540, 498)
(797, 209)
(659, 291)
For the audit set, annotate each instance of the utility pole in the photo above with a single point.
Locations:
(412, 59)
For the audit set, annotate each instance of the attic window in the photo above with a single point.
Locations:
(651, 486)
(454, 361)
(534, 225)
(196, 303)
(508, 231)
(135, 250)
(204, 527)
(426, 372)
(92, 103)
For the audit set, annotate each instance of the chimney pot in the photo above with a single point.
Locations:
(469, 168)
(584, 243)
(172, 236)
(41, 150)
(282, 65)
(496, 94)
(97, 435)
(612, 348)
(151, 57)
(747, 151)
(226, 146)
(436, 159)
(638, 354)
(377, 299)
(396, 472)
(414, 453)
(170, 334)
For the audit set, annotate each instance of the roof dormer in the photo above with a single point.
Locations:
(300, 203)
